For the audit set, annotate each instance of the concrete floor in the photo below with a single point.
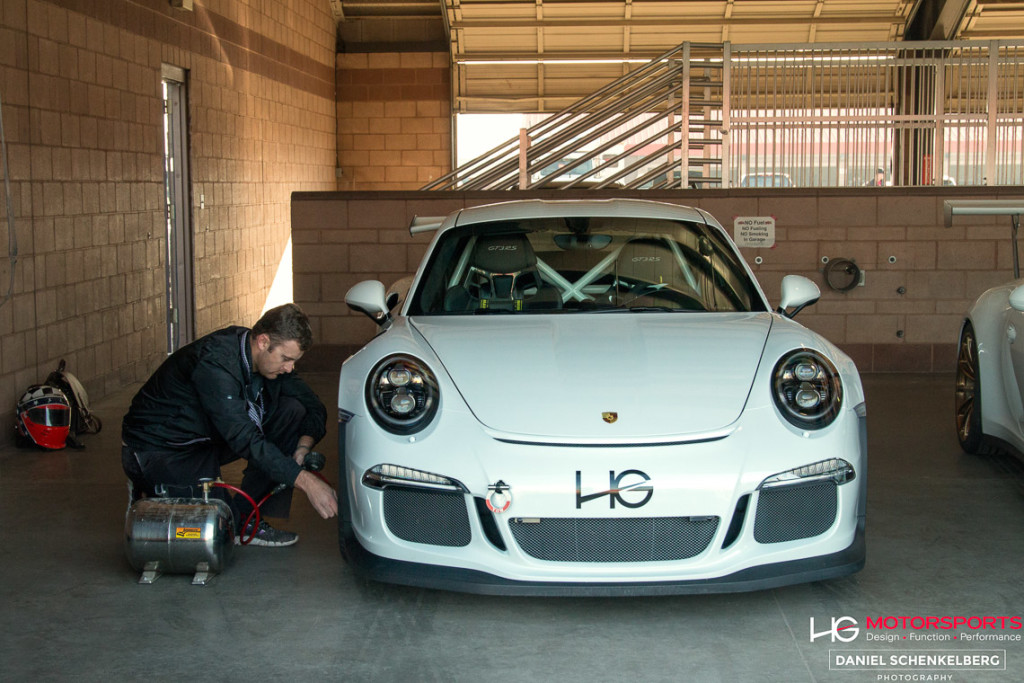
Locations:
(944, 538)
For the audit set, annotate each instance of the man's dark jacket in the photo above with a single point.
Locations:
(201, 395)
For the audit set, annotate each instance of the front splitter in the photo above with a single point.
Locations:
(370, 566)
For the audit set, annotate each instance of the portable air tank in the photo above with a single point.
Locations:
(179, 536)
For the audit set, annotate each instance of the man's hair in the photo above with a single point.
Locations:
(285, 323)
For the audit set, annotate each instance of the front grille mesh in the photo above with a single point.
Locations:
(649, 539)
(788, 513)
(423, 516)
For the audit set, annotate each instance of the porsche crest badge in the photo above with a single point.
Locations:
(609, 417)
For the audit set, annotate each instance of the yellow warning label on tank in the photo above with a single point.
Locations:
(188, 532)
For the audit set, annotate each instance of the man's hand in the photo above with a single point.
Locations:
(304, 447)
(321, 496)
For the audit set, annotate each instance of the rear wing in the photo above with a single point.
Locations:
(421, 224)
(988, 207)
(981, 207)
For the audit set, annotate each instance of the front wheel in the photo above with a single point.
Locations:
(968, 393)
(345, 533)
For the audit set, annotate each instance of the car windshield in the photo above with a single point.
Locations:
(583, 264)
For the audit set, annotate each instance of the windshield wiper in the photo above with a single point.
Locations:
(632, 309)
(653, 309)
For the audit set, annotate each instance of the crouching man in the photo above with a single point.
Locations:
(232, 394)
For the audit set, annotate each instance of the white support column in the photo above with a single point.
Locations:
(993, 111)
(684, 123)
(524, 145)
(726, 86)
(938, 142)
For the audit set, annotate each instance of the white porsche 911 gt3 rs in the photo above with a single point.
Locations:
(990, 372)
(595, 398)
(990, 358)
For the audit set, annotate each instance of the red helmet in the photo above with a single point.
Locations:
(44, 416)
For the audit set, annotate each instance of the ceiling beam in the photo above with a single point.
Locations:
(681, 21)
(590, 55)
(388, 8)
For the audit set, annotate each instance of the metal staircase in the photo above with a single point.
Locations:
(659, 126)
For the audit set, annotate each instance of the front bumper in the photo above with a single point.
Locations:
(369, 566)
(388, 538)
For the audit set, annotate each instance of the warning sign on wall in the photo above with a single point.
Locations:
(754, 231)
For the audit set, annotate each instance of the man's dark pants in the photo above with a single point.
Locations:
(176, 473)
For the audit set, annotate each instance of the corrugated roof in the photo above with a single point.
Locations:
(538, 55)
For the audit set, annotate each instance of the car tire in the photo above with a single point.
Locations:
(968, 394)
(345, 533)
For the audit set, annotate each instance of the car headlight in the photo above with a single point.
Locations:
(381, 476)
(833, 469)
(402, 394)
(807, 389)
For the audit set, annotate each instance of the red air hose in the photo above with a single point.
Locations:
(256, 506)
(255, 511)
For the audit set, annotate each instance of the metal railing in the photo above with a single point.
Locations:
(627, 134)
(816, 115)
(927, 113)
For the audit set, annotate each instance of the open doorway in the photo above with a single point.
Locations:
(177, 205)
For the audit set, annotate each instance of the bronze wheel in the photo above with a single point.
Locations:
(968, 393)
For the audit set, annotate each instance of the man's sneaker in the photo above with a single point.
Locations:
(267, 536)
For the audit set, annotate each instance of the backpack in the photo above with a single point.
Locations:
(82, 420)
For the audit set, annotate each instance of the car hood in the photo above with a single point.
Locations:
(557, 376)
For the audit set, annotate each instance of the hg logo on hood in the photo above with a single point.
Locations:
(616, 489)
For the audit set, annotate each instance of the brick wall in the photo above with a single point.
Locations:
(394, 120)
(80, 82)
(343, 238)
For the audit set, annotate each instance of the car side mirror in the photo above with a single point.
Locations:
(1017, 299)
(798, 292)
(368, 297)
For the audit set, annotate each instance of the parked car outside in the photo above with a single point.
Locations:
(766, 180)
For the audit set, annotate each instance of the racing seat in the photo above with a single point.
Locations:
(502, 275)
(650, 271)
